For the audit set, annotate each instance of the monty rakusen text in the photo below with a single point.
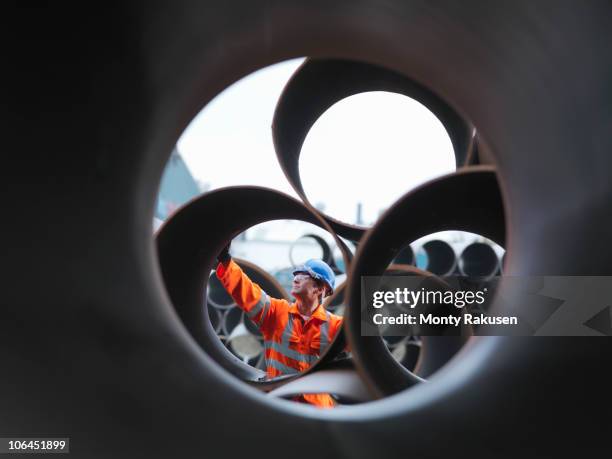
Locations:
(411, 299)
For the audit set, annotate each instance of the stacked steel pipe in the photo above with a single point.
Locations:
(467, 200)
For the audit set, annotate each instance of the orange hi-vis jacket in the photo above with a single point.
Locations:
(291, 344)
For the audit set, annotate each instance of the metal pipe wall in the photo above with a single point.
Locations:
(95, 336)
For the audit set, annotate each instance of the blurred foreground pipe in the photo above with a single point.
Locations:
(216, 295)
(407, 353)
(338, 378)
(435, 352)
(215, 317)
(92, 104)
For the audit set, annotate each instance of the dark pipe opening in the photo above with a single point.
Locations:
(479, 260)
(441, 258)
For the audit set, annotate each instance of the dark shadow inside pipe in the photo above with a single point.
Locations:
(479, 260)
(441, 258)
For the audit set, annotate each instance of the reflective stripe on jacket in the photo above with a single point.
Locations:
(291, 344)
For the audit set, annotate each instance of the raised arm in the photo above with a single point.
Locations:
(249, 296)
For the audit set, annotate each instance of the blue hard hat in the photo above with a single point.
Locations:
(319, 270)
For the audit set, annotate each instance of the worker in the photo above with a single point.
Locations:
(295, 334)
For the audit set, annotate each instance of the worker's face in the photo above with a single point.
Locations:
(305, 287)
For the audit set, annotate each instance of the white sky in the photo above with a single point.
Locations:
(369, 148)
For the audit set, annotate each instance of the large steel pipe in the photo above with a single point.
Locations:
(186, 258)
(93, 104)
(318, 84)
(245, 345)
(468, 200)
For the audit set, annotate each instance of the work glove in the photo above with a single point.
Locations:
(224, 256)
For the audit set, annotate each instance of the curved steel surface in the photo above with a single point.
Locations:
(438, 349)
(318, 84)
(186, 258)
(343, 383)
(479, 260)
(467, 200)
(94, 103)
